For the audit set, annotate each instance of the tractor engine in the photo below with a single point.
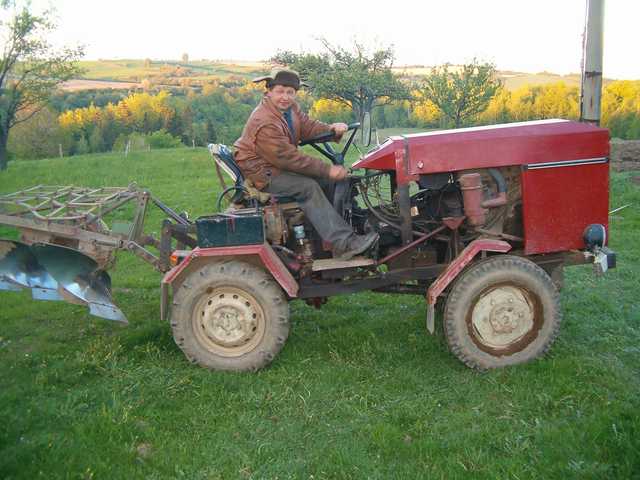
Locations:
(475, 202)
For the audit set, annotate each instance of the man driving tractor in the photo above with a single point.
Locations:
(268, 155)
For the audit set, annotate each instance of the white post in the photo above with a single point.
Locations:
(60, 149)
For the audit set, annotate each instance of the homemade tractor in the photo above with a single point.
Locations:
(480, 221)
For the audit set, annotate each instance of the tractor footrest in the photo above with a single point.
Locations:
(334, 263)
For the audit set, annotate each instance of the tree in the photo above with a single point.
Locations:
(185, 58)
(30, 69)
(39, 137)
(461, 94)
(353, 77)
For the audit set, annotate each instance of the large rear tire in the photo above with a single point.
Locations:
(503, 311)
(230, 316)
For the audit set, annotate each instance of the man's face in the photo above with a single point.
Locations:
(282, 96)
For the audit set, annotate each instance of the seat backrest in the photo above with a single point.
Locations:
(223, 156)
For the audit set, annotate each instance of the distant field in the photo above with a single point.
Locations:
(136, 70)
(80, 84)
(512, 80)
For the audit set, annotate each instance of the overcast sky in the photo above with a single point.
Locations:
(529, 36)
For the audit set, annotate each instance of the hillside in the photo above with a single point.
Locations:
(137, 70)
(132, 72)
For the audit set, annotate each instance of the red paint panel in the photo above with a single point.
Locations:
(558, 203)
(382, 157)
(268, 257)
(492, 146)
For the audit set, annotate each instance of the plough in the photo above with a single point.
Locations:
(66, 244)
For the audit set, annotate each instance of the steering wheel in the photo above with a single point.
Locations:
(342, 187)
(327, 137)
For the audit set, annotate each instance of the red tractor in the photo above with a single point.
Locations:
(480, 221)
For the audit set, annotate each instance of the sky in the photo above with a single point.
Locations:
(526, 36)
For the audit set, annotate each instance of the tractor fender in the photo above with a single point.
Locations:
(261, 255)
(455, 267)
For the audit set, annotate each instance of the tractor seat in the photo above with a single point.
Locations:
(223, 157)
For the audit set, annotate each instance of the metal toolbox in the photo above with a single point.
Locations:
(225, 230)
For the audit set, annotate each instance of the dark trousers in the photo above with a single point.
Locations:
(312, 195)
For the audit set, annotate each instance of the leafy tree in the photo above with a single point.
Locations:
(460, 94)
(163, 139)
(425, 113)
(498, 109)
(330, 111)
(30, 68)
(356, 78)
(82, 146)
(39, 137)
(96, 141)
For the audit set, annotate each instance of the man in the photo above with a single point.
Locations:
(268, 154)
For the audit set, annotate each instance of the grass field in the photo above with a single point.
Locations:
(359, 391)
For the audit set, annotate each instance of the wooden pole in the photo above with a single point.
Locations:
(591, 91)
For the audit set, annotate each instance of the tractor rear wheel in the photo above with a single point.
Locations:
(502, 311)
(230, 316)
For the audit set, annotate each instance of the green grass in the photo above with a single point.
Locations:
(359, 391)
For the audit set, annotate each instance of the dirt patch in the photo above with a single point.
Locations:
(77, 84)
(625, 155)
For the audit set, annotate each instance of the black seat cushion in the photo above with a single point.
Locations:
(226, 155)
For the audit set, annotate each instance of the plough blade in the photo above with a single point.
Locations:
(57, 273)
(78, 277)
(19, 268)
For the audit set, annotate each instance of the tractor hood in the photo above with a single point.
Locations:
(507, 144)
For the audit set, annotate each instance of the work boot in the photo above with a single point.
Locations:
(356, 245)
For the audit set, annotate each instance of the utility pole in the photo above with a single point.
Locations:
(591, 87)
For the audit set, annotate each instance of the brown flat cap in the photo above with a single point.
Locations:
(282, 76)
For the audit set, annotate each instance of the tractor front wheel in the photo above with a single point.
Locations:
(230, 316)
(501, 311)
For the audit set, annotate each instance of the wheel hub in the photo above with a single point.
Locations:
(228, 320)
(502, 316)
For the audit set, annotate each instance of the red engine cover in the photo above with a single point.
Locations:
(565, 179)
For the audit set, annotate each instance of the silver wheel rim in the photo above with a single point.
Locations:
(228, 321)
(502, 317)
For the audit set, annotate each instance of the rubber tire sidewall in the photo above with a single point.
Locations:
(256, 282)
(476, 279)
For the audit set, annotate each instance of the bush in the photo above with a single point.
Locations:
(39, 137)
(82, 146)
(163, 139)
(136, 142)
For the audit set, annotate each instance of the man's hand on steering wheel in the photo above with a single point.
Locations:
(337, 173)
(339, 128)
(335, 129)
